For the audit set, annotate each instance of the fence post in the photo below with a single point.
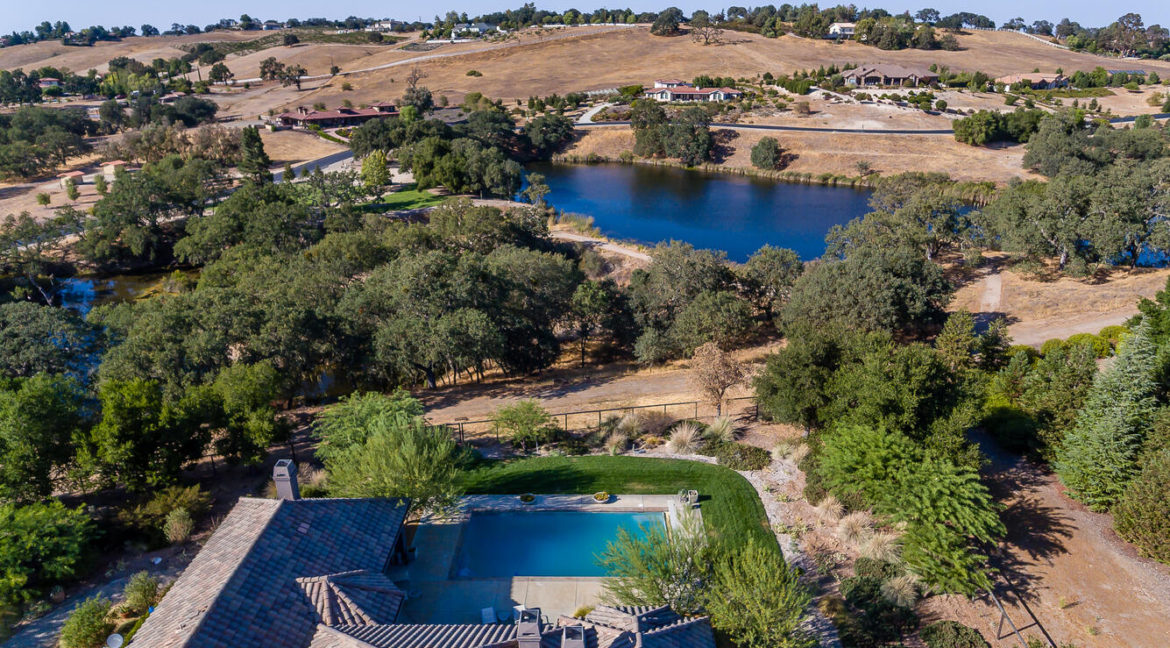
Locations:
(566, 422)
(696, 410)
(598, 420)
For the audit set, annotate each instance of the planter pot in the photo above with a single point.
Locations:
(602, 497)
(527, 498)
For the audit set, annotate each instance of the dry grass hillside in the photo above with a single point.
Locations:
(80, 59)
(622, 57)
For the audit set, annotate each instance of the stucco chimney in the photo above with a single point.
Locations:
(285, 476)
(528, 629)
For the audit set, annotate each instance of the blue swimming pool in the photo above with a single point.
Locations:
(542, 543)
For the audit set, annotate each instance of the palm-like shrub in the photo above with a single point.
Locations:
(721, 430)
(684, 439)
(178, 526)
(88, 624)
(140, 593)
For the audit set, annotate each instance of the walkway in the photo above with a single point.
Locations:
(602, 244)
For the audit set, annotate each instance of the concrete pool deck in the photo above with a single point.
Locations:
(434, 597)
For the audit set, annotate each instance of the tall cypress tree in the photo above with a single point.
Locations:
(1099, 457)
(254, 162)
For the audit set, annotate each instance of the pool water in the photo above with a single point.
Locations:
(543, 543)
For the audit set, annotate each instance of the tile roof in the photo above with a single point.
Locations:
(358, 597)
(492, 635)
(241, 590)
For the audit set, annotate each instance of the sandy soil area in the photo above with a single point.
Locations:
(827, 113)
(1042, 309)
(296, 146)
(1064, 565)
(840, 152)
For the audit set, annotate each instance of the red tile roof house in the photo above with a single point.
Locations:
(687, 92)
(49, 82)
(311, 573)
(337, 118)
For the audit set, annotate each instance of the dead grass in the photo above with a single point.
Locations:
(839, 153)
(296, 146)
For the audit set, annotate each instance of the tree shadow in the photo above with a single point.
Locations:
(517, 387)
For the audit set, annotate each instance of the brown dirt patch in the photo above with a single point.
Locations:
(1040, 309)
(296, 146)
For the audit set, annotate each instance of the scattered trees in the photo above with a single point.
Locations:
(766, 154)
(713, 372)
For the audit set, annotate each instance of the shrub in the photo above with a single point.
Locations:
(1142, 516)
(874, 568)
(1027, 350)
(951, 634)
(617, 443)
(525, 422)
(178, 526)
(655, 422)
(151, 517)
(684, 439)
(766, 153)
(878, 620)
(721, 430)
(43, 199)
(1114, 334)
(40, 544)
(1051, 345)
(88, 624)
(1098, 344)
(738, 456)
(474, 73)
(140, 593)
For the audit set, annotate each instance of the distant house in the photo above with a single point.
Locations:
(884, 74)
(50, 82)
(670, 83)
(336, 118)
(314, 573)
(272, 25)
(474, 28)
(1036, 80)
(842, 30)
(110, 169)
(1127, 72)
(74, 177)
(688, 92)
(171, 97)
(384, 26)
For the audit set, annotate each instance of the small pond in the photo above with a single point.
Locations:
(737, 214)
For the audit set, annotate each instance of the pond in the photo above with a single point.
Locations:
(83, 293)
(736, 214)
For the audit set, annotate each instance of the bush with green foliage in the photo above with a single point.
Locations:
(766, 153)
(525, 423)
(178, 526)
(952, 634)
(141, 592)
(1142, 515)
(1050, 345)
(739, 456)
(1114, 334)
(88, 624)
(150, 518)
(40, 545)
(654, 568)
(757, 599)
(1098, 344)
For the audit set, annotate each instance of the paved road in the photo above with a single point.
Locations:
(802, 129)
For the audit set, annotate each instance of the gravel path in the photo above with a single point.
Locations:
(42, 632)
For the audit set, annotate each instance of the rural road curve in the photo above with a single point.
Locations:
(803, 129)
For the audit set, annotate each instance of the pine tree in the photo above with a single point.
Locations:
(1099, 456)
(254, 162)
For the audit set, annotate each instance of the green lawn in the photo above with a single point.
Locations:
(729, 503)
(409, 198)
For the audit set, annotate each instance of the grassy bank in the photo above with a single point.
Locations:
(730, 506)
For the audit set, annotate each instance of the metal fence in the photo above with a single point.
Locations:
(588, 420)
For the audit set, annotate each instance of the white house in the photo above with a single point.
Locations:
(688, 92)
(842, 30)
(669, 83)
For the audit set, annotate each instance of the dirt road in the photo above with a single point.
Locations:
(1085, 586)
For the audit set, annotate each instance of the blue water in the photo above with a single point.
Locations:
(736, 214)
(542, 543)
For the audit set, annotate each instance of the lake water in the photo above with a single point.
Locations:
(543, 543)
(82, 293)
(736, 214)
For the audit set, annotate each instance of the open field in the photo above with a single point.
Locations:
(839, 153)
(80, 59)
(296, 146)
